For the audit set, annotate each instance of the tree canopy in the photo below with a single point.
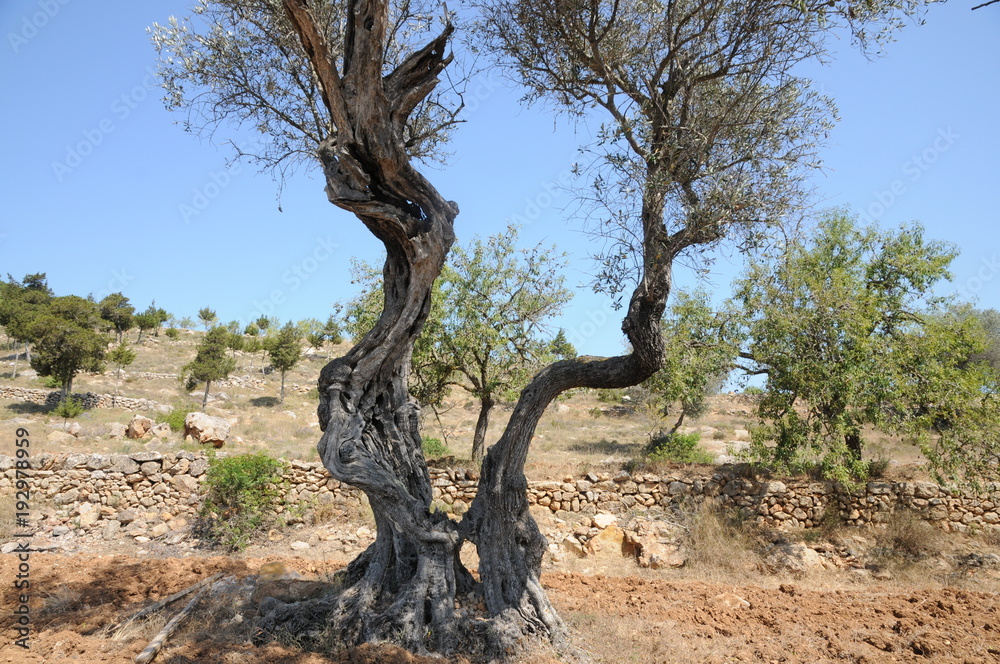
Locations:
(848, 331)
(709, 134)
(68, 336)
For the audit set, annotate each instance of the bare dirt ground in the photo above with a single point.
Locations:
(612, 618)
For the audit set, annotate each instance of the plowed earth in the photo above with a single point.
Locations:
(613, 619)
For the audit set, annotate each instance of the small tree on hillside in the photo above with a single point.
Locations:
(561, 348)
(236, 342)
(497, 300)
(68, 337)
(162, 316)
(146, 321)
(210, 363)
(285, 350)
(20, 304)
(115, 309)
(120, 356)
(207, 317)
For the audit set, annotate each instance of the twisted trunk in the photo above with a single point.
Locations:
(402, 588)
(508, 540)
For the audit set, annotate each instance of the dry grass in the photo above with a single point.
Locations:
(721, 544)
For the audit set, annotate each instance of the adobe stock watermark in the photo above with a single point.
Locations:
(32, 25)
(121, 108)
(119, 280)
(551, 192)
(989, 268)
(913, 169)
(293, 278)
(215, 183)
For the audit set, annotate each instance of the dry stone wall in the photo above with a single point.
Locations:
(156, 495)
(88, 399)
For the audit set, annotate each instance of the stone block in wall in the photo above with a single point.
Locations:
(198, 467)
(773, 488)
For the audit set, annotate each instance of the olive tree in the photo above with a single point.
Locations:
(713, 126)
(485, 331)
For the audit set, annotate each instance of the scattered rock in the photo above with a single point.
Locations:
(608, 541)
(117, 430)
(60, 437)
(159, 530)
(111, 529)
(74, 429)
(139, 427)
(603, 520)
(160, 430)
(730, 601)
(206, 429)
(651, 552)
(792, 557)
(571, 545)
(299, 545)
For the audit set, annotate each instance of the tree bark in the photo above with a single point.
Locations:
(402, 588)
(482, 424)
(508, 540)
(282, 399)
(854, 444)
(204, 399)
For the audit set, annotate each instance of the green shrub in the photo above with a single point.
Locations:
(610, 395)
(51, 382)
(753, 390)
(68, 407)
(241, 494)
(172, 333)
(434, 448)
(175, 418)
(677, 447)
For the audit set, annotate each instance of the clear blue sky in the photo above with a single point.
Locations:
(96, 172)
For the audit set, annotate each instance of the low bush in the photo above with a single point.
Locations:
(175, 419)
(677, 447)
(434, 448)
(68, 408)
(239, 505)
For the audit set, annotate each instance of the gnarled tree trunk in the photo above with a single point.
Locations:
(508, 540)
(403, 588)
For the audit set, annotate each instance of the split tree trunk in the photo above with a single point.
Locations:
(402, 589)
